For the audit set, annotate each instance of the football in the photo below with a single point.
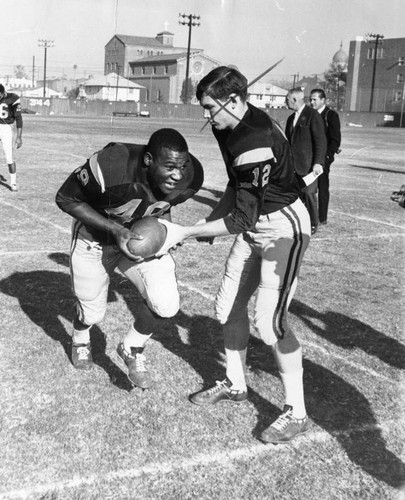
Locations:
(154, 235)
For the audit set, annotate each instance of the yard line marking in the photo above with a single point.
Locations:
(30, 252)
(359, 217)
(224, 457)
(361, 368)
(197, 290)
(369, 237)
(344, 359)
(361, 149)
(36, 217)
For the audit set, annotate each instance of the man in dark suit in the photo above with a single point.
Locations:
(306, 133)
(333, 137)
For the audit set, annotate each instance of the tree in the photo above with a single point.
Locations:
(73, 93)
(186, 99)
(335, 86)
(19, 72)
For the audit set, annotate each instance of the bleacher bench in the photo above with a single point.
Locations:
(144, 114)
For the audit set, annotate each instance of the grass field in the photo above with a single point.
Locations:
(66, 434)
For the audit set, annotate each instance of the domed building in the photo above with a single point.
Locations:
(340, 60)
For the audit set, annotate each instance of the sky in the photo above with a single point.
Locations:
(251, 34)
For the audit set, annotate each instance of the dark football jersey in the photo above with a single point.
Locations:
(260, 168)
(10, 110)
(114, 181)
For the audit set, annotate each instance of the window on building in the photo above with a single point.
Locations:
(400, 78)
(154, 70)
(143, 70)
(371, 51)
(166, 69)
(398, 95)
(401, 61)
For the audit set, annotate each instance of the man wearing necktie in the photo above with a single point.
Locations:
(306, 134)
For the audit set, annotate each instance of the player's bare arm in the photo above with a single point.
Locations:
(223, 208)
(86, 214)
(177, 234)
(18, 139)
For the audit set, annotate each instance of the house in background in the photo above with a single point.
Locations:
(267, 95)
(19, 85)
(111, 87)
(39, 92)
(62, 84)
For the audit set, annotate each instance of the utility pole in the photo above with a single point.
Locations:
(378, 38)
(192, 20)
(33, 71)
(46, 44)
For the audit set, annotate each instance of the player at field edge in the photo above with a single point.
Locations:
(261, 206)
(10, 112)
(331, 121)
(116, 186)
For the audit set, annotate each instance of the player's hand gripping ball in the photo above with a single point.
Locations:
(154, 235)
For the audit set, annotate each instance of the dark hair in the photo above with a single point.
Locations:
(320, 93)
(221, 82)
(2, 89)
(166, 138)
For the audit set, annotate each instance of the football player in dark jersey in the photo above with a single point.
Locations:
(10, 112)
(261, 206)
(116, 186)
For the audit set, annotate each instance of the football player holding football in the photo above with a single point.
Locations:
(116, 186)
(10, 112)
(261, 206)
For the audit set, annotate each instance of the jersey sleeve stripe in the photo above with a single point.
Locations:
(253, 156)
(96, 170)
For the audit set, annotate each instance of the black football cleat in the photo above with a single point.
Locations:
(138, 374)
(285, 428)
(220, 392)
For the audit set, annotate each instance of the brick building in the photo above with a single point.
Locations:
(376, 75)
(156, 64)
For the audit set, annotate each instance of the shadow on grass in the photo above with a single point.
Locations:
(332, 403)
(341, 410)
(208, 201)
(378, 169)
(348, 333)
(3, 183)
(45, 296)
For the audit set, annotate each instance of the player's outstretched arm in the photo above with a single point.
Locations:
(85, 213)
(177, 233)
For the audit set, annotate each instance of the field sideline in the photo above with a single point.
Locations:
(71, 435)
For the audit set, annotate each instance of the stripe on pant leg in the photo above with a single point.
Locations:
(291, 269)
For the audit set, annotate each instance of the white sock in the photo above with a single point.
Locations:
(235, 368)
(135, 339)
(13, 179)
(294, 392)
(81, 336)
